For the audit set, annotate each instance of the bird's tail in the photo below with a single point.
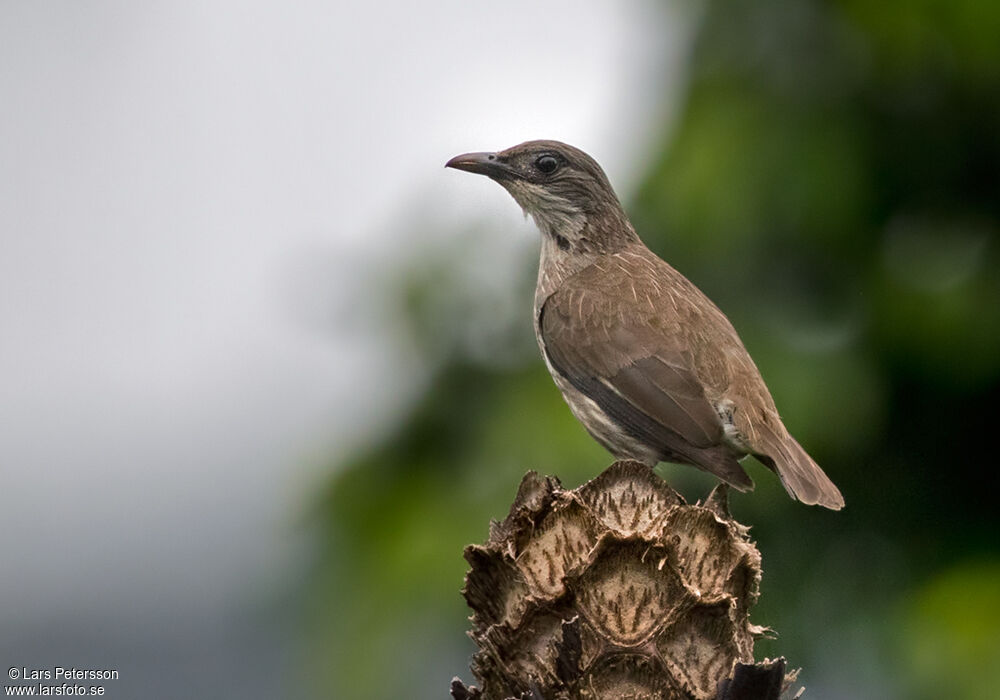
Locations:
(800, 475)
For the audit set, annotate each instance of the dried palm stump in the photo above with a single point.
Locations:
(617, 589)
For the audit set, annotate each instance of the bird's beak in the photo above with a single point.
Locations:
(488, 164)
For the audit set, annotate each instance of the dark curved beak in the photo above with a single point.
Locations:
(480, 163)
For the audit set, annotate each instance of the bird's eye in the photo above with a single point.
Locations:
(546, 164)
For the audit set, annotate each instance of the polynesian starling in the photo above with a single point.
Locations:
(649, 365)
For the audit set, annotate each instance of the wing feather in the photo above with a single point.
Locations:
(636, 375)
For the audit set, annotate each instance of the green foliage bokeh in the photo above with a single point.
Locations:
(833, 184)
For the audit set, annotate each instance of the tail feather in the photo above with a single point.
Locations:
(800, 475)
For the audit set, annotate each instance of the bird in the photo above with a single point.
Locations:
(650, 366)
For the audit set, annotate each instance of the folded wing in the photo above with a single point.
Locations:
(629, 368)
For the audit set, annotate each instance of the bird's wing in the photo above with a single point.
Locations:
(614, 348)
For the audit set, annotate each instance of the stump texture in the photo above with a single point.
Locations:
(617, 589)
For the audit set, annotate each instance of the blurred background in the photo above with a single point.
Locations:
(266, 367)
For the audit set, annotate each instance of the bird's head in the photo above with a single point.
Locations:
(563, 189)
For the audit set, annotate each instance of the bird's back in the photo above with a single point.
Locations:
(644, 292)
(634, 295)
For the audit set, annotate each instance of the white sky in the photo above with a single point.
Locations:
(165, 167)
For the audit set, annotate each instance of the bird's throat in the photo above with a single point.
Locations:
(561, 258)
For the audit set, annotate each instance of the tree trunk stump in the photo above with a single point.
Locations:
(616, 589)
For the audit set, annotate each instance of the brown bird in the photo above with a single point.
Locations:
(650, 366)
